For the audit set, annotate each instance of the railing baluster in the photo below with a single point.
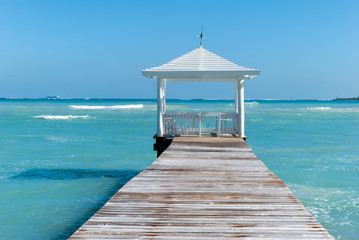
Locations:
(197, 123)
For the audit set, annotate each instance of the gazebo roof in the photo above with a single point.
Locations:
(200, 65)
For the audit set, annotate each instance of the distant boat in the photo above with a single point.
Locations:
(52, 97)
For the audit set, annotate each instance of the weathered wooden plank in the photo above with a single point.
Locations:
(204, 188)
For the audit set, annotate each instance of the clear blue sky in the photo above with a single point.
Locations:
(305, 49)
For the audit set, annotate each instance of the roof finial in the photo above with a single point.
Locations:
(201, 36)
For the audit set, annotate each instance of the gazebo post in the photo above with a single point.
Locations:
(161, 85)
(241, 107)
(164, 95)
(239, 102)
(236, 97)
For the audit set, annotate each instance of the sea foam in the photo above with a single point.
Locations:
(60, 117)
(318, 108)
(131, 106)
(334, 110)
(251, 103)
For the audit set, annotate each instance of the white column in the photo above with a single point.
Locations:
(236, 96)
(240, 104)
(160, 106)
(164, 95)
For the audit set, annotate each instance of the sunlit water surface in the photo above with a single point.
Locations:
(61, 160)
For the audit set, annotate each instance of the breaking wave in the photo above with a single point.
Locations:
(60, 117)
(319, 108)
(251, 103)
(90, 107)
(334, 110)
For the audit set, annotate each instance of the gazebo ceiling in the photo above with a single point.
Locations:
(200, 65)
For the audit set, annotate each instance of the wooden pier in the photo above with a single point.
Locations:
(204, 188)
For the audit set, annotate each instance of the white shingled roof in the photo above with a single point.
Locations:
(200, 65)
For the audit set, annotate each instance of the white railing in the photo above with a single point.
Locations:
(177, 124)
(228, 123)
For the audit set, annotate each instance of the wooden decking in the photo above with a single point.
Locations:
(204, 188)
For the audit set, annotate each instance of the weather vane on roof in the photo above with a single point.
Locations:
(201, 36)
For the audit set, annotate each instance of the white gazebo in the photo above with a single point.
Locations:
(200, 65)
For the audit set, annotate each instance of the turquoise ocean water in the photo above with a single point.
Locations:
(61, 160)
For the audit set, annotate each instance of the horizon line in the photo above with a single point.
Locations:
(181, 99)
